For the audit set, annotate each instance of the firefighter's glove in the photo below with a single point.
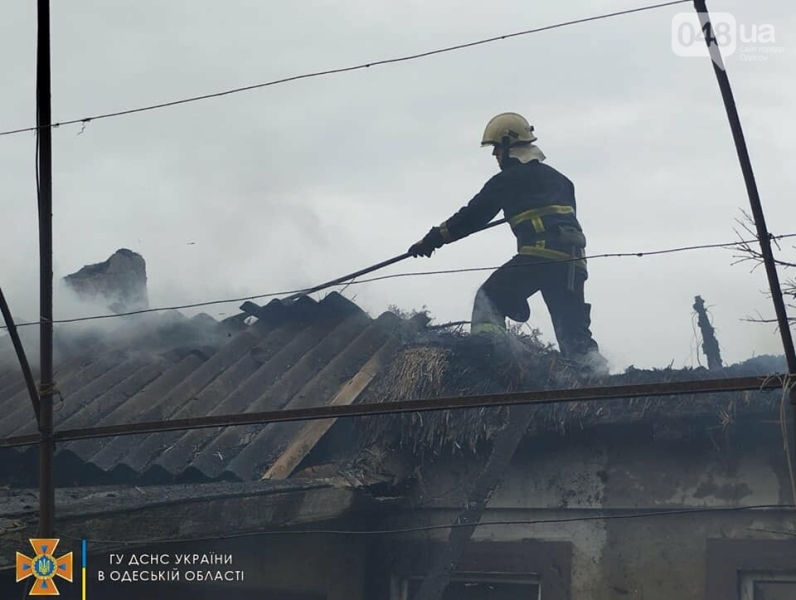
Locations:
(428, 244)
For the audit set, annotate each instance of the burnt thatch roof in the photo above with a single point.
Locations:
(445, 364)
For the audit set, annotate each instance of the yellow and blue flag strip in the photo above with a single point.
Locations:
(84, 570)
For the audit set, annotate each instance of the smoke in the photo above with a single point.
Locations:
(765, 364)
(66, 305)
(134, 334)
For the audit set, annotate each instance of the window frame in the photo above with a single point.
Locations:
(750, 578)
(548, 563)
(401, 583)
(727, 560)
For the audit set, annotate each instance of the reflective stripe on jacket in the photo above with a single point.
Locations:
(539, 204)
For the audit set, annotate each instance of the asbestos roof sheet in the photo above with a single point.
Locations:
(291, 356)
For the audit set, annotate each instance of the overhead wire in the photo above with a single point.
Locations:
(366, 65)
(590, 257)
(395, 276)
(427, 528)
(405, 58)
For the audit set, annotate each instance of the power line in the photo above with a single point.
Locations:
(607, 255)
(426, 528)
(358, 67)
(398, 275)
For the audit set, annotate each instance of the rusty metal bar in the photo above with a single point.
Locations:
(671, 388)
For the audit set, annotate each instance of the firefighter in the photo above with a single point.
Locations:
(539, 205)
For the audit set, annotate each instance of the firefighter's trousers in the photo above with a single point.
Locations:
(506, 294)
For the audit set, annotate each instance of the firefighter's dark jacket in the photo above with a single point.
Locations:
(539, 204)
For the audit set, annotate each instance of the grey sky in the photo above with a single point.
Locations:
(288, 186)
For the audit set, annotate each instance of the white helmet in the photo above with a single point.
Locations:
(508, 125)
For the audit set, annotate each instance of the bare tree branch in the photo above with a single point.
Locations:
(746, 251)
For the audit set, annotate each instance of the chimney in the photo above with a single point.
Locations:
(119, 282)
(710, 345)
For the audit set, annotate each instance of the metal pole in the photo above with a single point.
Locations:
(348, 277)
(20, 351)
(763, 235)
(372, 268)
(44, 144)
(751, 186)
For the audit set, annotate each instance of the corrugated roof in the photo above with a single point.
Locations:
(291, 357)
